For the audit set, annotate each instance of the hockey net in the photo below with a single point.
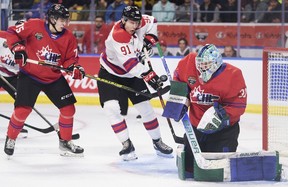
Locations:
(275, 100)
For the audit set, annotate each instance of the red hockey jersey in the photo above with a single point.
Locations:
(41, 44)
(227, 87)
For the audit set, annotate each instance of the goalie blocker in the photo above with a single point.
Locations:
(253, 166)
(177, 104)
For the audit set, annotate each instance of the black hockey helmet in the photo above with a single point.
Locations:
(132, 13)
(58, 11)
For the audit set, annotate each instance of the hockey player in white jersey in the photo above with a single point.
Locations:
(123, 63)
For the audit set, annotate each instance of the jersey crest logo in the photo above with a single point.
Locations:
(38, 36)
(191, 80)
(46, 54)
(200, 97)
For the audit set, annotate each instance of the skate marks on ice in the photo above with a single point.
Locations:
(149, 165)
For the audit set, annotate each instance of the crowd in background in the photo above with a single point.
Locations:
(262, 11)
(106, 12)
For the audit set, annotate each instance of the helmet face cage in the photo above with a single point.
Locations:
(132, 13)
(208, 61)
(58, 11)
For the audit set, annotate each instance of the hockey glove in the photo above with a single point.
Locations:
(178, 103)
(152, 79)
(214, 119)
(20, 54)
(149, 41)
(77, 72)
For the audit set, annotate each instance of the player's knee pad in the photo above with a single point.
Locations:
(67, 111)
(146, 110)
(112, 110)
(22, 112)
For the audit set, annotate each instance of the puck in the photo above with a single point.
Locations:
(163, 78)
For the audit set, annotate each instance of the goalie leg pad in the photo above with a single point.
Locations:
(180, 163)
(176, 105)
(255, 168)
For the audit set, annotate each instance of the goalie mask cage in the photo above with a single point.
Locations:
(275, 100)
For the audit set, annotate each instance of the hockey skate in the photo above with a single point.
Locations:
(162, 149)
(9, 146)
(69, 149)
(128, 151)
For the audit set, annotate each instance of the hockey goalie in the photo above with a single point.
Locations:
(215, 93)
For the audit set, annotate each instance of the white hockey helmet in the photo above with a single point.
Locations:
(208, 61)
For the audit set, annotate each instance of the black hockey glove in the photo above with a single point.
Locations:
(149, 41)
(152, 79)
(20, 54)
(77, 72)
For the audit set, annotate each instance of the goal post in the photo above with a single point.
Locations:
(275, 100)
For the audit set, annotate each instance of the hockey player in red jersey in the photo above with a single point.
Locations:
(45, 40)
(217, 95)
(122, 63)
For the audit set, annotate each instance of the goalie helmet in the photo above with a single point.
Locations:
(132, 13)
(58, 11)
(208, 61)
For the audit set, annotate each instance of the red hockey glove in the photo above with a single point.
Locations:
(20, 55)
(152, 79)
(77, 71)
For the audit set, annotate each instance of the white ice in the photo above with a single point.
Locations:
(36, 160)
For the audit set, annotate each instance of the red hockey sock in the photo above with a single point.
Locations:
(66, 122)
(17, 120)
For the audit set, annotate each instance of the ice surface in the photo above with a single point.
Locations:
(36, 160)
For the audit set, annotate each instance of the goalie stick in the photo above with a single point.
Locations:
(47, 130)
(176, 138)
(162, 91)
(200, 160)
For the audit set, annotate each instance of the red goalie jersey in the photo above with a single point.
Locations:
(227, 87)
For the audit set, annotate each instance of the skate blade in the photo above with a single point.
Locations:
(164, 155)
(130, 156)
(70, 154)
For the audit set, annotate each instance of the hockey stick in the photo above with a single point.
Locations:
(200, 160)
(177, 139)
(45, 131)
(43, 63)
(55, 126)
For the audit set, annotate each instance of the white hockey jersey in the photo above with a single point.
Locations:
(8, 67)
(122, 49)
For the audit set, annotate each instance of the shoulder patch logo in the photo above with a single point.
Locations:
(191, 80)
(38, 36)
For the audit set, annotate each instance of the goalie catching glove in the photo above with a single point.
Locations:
(214, 119)
(76, 72)
(152, 79)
